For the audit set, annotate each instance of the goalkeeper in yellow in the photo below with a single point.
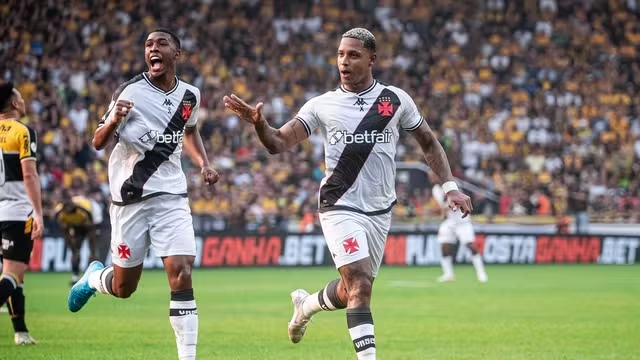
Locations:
(79, 217)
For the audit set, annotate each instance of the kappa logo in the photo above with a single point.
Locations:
(360, 102)
(367, 137)
(167, 102)
(385, 106)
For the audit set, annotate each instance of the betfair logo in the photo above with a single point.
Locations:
(367, 137)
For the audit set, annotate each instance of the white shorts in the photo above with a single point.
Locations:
(352, 236)
(163, 222)
(450, 231)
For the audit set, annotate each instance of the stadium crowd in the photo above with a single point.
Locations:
(535, 101)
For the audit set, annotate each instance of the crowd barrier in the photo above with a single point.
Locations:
(403, 248)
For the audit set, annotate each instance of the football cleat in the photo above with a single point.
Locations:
(23, 338)
(81, 292)
(483, 278)
(446, 278)
(298, 324)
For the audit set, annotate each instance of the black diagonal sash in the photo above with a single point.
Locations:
(355, 155)
(132, 188)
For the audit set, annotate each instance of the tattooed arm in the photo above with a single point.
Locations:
(279, 140)
(275, 140)
(433, 152)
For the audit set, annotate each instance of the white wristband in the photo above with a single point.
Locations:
(449, 186)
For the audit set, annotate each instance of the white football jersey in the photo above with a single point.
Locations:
(360, 132)
(441, 198)
(145, 161)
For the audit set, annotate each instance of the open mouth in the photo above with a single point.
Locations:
(156, 62)
(345, 72)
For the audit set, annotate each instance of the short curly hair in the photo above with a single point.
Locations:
(364, 35)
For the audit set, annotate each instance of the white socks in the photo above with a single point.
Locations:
(101, 280)
(183, 316)
(478, 264)
(447, 266)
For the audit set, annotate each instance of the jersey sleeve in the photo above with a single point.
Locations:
(195, 109)
(308, 116)
(411, 118)
(28, 143)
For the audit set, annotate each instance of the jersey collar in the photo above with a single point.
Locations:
(146, 77)
(363, 92)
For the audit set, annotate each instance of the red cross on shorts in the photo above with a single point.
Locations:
(123, 251)
(350, 245)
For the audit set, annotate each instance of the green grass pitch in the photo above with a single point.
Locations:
(524, 312)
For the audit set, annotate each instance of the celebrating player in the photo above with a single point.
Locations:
(79, 217)
(149, 117)
(456, 226)
(360, 122)
(20, 206)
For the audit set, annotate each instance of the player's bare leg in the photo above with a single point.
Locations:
(12, 292)
(446, 262)
(331, 297)
(113, 280)
(353, 292)
(478, 263)
(358, 280)
(183, 313)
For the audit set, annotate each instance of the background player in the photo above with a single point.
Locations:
(360, 122)
(79, 217)
(148, 187)
(455, 227)
(20, 206)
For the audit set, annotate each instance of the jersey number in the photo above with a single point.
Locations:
(2, 169)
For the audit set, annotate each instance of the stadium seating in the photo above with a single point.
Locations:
(535, 101)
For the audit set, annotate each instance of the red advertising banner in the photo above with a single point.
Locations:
(415, 249)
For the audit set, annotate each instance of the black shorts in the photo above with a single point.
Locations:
(16, 240)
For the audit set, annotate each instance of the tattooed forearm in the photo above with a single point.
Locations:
(269, 137)
(277, 141)
(294, 130)
(434, 152)
(437, 160)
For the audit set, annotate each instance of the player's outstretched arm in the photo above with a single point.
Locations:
(275, 140)
(437, 159)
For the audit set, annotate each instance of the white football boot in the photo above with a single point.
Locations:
(23, 338)
(298, 324)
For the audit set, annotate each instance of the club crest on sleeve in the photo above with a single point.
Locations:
(186, 110)
(385, 106)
